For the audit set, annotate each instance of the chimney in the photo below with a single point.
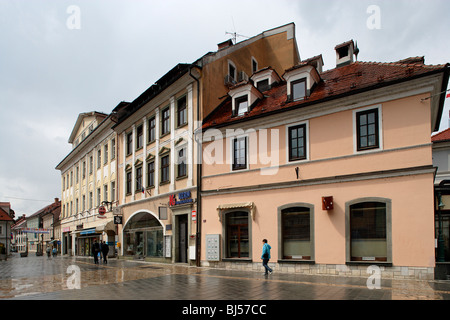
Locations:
(56, 200)
(225, 44)
(344, 53)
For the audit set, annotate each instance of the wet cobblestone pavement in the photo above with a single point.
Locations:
(43, 278)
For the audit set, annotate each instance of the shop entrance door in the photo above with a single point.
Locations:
(182, 238)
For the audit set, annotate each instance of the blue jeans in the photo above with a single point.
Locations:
(265, 262)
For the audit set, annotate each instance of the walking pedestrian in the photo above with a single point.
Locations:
(266, 257)
(48, 251)
(105, 250)
(95, 251)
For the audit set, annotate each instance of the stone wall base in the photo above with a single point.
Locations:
(365, 271)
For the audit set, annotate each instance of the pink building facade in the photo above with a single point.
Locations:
(334, 168)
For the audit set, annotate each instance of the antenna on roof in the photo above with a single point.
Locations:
(234, 34)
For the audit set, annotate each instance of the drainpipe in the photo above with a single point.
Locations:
(199, 178)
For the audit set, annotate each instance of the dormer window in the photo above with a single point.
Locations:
(242, 105)
(265, 78)
(298, 89)
(301, 79)
(243, 96)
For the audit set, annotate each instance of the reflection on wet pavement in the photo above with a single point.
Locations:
(27, 277)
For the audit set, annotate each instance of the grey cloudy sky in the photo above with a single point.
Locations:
(50, 73)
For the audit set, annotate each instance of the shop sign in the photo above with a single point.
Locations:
(66, 229)
(117, 219)
(101, 210)
(183, 198)
(35, 230)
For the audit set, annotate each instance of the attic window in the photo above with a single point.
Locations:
(298, 89)
(342, 52)
(242, 105)
(263, 85)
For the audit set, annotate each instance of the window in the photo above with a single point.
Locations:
(181, 112)
(91, 164)
(240, 153)
(90, 200)
(113, 149)
(99, 158)
(237, 233)
(84, 169)
(368, 231)
(254, 65)
(139, 137)
(296, 233)
(113, 191)
(83, 205)
(151, 174)
(165, 163)
(76, 206)
(241, 105)
(139, 179)
(105, 151)
(231, 70)
(367, 129)
(129, 143)
(105, 192)
(298, 89)
(128, 187)
(151, 129)
(181, 163)
(297, 142)
(77, 170)
(99, 196)
(165, 121)
(263, 85)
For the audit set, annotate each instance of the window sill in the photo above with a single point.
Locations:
(369, 263)
(293, 261)
(237, 260)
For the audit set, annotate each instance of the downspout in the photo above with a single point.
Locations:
(199, 177)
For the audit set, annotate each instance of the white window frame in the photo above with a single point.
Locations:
(288, 126)
(380, 129)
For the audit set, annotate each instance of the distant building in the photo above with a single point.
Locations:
(6, 221)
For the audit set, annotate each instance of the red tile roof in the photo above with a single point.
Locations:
(4, 216)
(351, 79)
(441, 136)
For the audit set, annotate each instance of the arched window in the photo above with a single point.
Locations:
(143, 236)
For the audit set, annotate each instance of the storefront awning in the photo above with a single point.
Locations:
(108, 226)
(244, 205)
(87, 231)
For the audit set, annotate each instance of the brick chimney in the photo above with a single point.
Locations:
(344, 53)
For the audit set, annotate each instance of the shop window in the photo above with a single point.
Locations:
(296, 233)
(143, 236)
(368, 232)
(237, 235)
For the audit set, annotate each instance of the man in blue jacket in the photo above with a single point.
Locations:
(266, 256)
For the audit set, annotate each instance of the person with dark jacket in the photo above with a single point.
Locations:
(105, 250)
(95, 251)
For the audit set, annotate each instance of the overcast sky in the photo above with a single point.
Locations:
(54, 66)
